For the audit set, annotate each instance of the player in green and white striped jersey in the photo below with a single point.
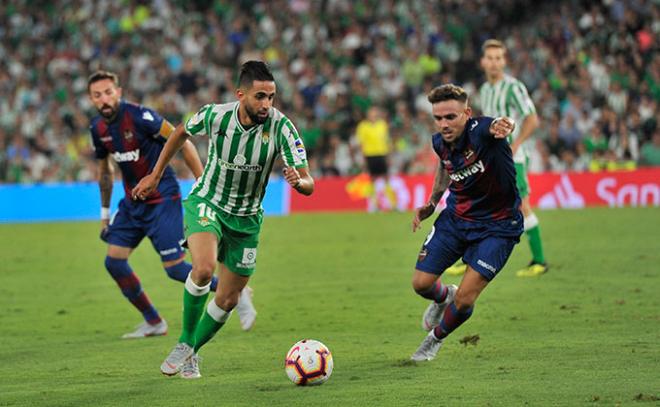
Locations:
(504, 95)
(223, 213)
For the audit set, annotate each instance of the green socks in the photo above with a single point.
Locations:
(194, 298)
(212, 320)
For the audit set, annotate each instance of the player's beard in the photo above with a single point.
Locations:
(108, 115)
(256, 119)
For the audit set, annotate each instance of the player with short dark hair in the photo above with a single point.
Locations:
(481, 223)
(134, 135)
(223, 212)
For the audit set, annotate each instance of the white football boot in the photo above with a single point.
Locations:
(175, 360)
(145, 330)
(427, 349)
(247, 314)
(190, 368)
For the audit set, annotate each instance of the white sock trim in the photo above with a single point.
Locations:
(194, 289)
(217, 313)
(530, 222)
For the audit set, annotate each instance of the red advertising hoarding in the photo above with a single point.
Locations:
(550, 190)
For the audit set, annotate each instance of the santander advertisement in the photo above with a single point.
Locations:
(549, 191)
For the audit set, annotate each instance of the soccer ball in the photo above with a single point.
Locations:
(308, 363)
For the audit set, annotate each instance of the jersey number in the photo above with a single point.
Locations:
(206, 211)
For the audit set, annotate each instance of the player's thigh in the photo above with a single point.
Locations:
(238, 252)
(164, 226)
(442, 247)
(124, 230)
(201, 218)
(489, 255)
(203, 247)
(522, 181)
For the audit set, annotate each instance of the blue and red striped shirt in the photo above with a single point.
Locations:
(483, 177)
(133, 140)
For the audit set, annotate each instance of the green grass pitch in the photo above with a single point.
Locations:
(586, 333)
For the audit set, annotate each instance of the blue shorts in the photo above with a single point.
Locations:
(161, 222)
(484, 246)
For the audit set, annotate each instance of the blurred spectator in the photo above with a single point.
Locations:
(650, 154)
(591, 64)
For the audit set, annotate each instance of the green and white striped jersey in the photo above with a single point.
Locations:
(508, 97)
(239, 160)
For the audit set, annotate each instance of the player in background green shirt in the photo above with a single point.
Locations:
(504, 95)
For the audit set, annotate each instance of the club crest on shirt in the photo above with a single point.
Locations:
(203, 221)
(468, 153)
(422, 254)
(239, 159)
(265, 137)
(128, 134)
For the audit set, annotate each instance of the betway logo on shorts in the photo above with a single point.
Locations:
(240, 167)
(468, 171)
(126, 156)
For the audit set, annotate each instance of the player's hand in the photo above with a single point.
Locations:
(104, 228)
(502, 127)
(422, 213)
(292, 176)
(145, 187)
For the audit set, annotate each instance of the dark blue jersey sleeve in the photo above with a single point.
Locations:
(149, 121)
(480, 127)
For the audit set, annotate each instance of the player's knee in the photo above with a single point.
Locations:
(464, 299)
(421, 285)
(228, 302)
(203, 270)
(117, 267)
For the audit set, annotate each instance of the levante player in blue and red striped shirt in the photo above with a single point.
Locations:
(481, 223)
(134, 135)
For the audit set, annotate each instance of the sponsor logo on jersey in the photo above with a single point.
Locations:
(468, 171)
(133, 155)
(238, 167)
(147, 116)
(300, 149)
(249, 258)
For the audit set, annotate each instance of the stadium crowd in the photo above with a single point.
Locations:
(591, 67)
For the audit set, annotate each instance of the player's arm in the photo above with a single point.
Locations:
(440, 184)
(529, 124)
(106, 177)
(501, 127)
(299, 179)
(147, 184)
(188, 150)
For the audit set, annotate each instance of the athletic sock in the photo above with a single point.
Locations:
(452, 318)
(130, 286)
(194, 298)
(437, 292)
(180, 271)
(212, 320)
(533, 232)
